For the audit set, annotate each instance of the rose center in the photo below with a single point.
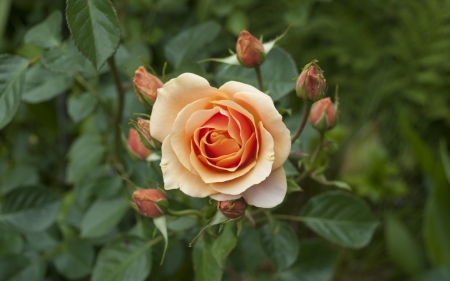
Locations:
(219, 143)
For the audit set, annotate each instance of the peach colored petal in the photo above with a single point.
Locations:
(246, 128)
(196, 119)
(177, 176)
(272, 121)
(268, 193)
(256, 175)
(224, 197)
(221, 146)
(173, 97)
(241, 157)
(233, 87)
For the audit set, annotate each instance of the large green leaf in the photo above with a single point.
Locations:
(340, 218)
(102, 216)
(280, 243)
(277, 72)
(223, 245)
(248, 254)
(29, 209)
(20, 175)
(316, 262)
(124, 259)
(76, 260)
(189, 42)
(95, 28)
(12, 77)
(42, 85)
(79, 107)
(21, 267)
(205, 265)
(402, 248)
(46, 34)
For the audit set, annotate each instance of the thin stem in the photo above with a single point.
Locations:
(259, 77)
(302, 123)
(189, 212)
(318, 148)
(120, 100)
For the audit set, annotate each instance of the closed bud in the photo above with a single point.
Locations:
(323, 115)
(146, 86)
(150, 202)
(143, 126)
(249, 50)
(232, 209)
(311, 84)
(136, 146)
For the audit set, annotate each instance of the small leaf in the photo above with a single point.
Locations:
(124, 259)
(161, 225)
(95, 28)
(223, 245)
(205, 266)
(46, 34)
(292, 186)
(12, 77)
(79, 107)
(77, 259)
(280, 243)
(340, 218)
(102, 216)
(218, 218)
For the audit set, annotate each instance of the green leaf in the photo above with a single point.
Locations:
(223, 245)
(76, 260)
(316, 262)
(161, 225)
(79, 107)
(445, 159)
(218, 218)
(277, 72)
(10, 243)
(12, 77)
(340, 218)
(85, 154)
(124, 259)
(280, 243)
(189, 42)
(205, 265)
(29, 209)
(21, 267)
(323, 180)
(42, 84)
(292, 186)
(21, 175)
(95, 28)
(46, 34)
(402, 248)
(435, 274)
(249, 253)
(102, 216)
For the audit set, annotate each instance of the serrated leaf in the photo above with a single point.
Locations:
(189, 42)
(12, 77)
(46, 34)
(79, 107)
(280, 243)
(205, 266)
(76, 260)
(102, 216)
(29, 209)
(124, 259)
(223, 245)
(95, 28)
(277, 72)
(42, 85)
(340, 218)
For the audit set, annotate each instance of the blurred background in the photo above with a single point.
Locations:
(391, 60)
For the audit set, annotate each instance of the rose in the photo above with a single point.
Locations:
(224, 143)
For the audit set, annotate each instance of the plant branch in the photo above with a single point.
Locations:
(120, 101)
(259, 77)
(302, 123)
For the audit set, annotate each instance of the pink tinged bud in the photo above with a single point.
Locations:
(143, 125)
(232, 209)
(146, 84)
(311, 84)
(249, 50)
(147, 201)
(136, 146)
(323, 115)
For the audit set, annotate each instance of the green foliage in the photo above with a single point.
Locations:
(46, 34)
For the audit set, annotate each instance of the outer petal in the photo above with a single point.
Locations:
(256, 175)
(270, 192)
(269, 116)
(177, 176)
(233, 87)
(224, 197)
(173, 97)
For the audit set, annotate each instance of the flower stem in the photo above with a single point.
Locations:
(302, 123)
(318, 148)
(118, 114)
(189, 212)
(259, 77)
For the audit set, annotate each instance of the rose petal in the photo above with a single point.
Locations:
(224, 197)
(177, 176)
(256, 175)
(268, 193)
(173, 97)
(233, 87)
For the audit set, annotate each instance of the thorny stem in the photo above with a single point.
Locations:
(303, 122)
(118, 114)
(259, 77)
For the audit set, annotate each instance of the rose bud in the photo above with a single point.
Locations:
(146, 86)
(136, 146)
(232, 209)
(323, 115)
(143, 126)
(150, 202)
(249, 50)
(311, 84)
